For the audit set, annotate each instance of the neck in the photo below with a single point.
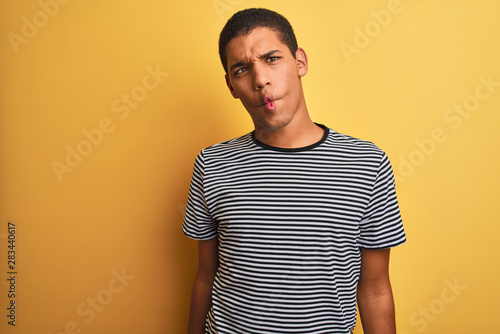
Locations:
(298, 133)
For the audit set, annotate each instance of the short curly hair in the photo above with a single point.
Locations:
(244, 21)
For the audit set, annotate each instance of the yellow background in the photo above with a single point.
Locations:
(120, 208)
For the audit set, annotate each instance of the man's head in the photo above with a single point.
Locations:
(263, 70)
(243, 22)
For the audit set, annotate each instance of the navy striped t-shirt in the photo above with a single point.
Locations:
(290, 223)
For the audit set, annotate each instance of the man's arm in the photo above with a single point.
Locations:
(201, 296)
(374, 293)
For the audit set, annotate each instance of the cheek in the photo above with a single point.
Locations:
(243, 96)
(288, 78)
(245, 92)
(246, 99)
(241, 87)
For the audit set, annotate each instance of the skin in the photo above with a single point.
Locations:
(374, 293)
(262, 68)
(201, 296)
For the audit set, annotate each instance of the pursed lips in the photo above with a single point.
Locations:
(266, 100)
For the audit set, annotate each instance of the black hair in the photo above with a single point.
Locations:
(244, 21)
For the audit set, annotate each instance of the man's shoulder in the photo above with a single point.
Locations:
(334, 142)
(235, 144)
(346, 142)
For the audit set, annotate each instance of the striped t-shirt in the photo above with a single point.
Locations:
(290, 223)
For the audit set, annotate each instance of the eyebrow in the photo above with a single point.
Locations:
(242, 63)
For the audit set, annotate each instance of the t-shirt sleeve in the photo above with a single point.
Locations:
(198, 223)
(381, 225)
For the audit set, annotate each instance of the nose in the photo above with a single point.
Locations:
(260, 76)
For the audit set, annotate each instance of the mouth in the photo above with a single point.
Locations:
(268, 103)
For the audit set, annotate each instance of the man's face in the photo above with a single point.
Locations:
(265, 76)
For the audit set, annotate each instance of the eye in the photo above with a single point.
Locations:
(240, 70)
(272, 59)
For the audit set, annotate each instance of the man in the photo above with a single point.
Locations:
(294, 220)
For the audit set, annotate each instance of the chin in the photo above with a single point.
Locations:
(274, 126)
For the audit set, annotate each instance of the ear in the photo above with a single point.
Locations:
(231, 89)
(301, 59)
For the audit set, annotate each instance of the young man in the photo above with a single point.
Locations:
(294, 220)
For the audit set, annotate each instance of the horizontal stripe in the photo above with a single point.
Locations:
(290, 224)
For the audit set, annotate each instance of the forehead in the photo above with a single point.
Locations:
(257, 42)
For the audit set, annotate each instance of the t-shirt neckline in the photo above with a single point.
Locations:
(295, 149)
